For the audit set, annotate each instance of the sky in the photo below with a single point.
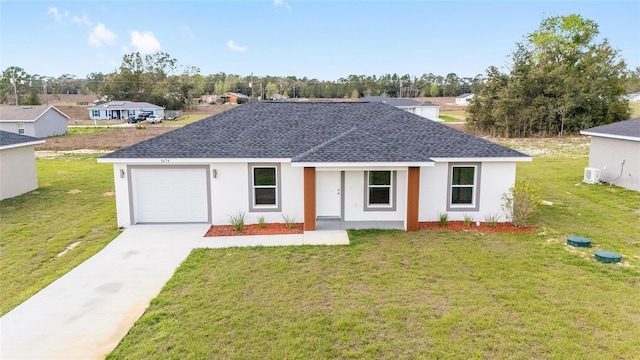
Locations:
(325, 40)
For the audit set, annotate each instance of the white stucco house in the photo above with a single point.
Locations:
(17, 164)
(614, 156)
(33, 120)
(314, 161)
(116, 110)
(424, 109)
(633, 97)
(464, 99)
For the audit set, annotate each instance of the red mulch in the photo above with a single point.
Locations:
(459, 226)
(255, 229)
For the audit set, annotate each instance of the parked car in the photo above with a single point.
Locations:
(133, 120)
(153, 119)
(171, 118)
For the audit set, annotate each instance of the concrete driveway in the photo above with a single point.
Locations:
(85, 313)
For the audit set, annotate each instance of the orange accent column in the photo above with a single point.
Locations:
(413, 198)
(309, 198)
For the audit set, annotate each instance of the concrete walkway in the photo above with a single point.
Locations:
(85, 313)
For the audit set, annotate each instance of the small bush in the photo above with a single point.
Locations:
(443, 219)
(468, 219)
(492, 219)
(520, 202)
(289, 221)
(261, 222)
(237, 221)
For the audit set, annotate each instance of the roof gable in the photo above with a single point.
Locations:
(625, 130)
(316, 132)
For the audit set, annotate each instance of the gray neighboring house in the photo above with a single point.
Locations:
(464, 99)
(615, 153)
(424, 109)
(17, 164)
(33, 120)
(120, 110)
(340, 162)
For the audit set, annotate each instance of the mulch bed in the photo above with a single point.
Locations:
(459, 226)
(255, 229)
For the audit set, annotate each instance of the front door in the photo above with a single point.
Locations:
(328, 194)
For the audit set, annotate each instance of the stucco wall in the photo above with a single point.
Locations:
(52, 123)
(431, 112)
(608, 154)
(496, 179)
(17, 171)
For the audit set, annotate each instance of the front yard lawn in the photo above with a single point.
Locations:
(72, 209)
(427, 294)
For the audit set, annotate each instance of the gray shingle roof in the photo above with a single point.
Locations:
(626, 128)
(124, 105)
(9, 138)
(316, 132)
(25, 113)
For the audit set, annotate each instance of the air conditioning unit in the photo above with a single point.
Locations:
(591, 175)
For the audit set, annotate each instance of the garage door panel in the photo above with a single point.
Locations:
(170, 194)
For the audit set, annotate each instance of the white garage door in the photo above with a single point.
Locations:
(170, 195)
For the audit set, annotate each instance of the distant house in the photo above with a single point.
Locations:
(211, 99)
(634, 97)
(424, 109)
(278, 97)
(464, 99)
(615, 153)
(234, 98)
(34, 120)
(116, 110)
(17, 164)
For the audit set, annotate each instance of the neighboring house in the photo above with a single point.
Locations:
(349, 161)
(615, 154)
(464, 99)
(234, 98)
(17, 164)
(424, 109)
(116, 110)
(210, 99)
(33, 120)
(634, 97)
(279, 97)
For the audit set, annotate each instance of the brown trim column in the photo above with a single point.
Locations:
(309, 198)
(413, 198)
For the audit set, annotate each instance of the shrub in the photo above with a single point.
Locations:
(261, 222)
(468, 219)
(520, 202)
(289, 221)
(491, 219)
(443, 219)
(237, 221)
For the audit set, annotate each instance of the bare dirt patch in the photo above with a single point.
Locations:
(109, 193)
(74, 191)
(255, 229)
(482, 227)
(106, 140)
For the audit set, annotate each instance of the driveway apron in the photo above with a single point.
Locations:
(85, 313)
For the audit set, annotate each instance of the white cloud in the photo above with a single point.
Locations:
(57, 14)
(144, 42)
(101, 36)
(235, 47)
(84, 20)
(281, 3)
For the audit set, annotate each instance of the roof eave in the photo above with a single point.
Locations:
(610, 136)
(483, 159)
(13, 146)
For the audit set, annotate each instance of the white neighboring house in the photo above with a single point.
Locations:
(423, 109)
(33, 120)
(117, 110)
(633, 97)
(17, 164)
(361, 164)
(464, 99)
(615, 152)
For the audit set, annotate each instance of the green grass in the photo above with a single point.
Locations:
(449, 118)
(73, 130)
(458, 115)
(186, 119)
(426, 294)
(38, 226)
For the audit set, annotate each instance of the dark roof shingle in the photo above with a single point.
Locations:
(9, 138)
(626, 128)
(316, 132)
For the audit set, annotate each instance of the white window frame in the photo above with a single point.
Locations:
(475, 194)
(21, 128)
(253, 207)
(391, 206)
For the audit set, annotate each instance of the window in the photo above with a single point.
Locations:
(463, 187)
(21, 128)
(95, 113)
(265, 187)
(380, 192)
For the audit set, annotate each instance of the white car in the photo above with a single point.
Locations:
(153, 119)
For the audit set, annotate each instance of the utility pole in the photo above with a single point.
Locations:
(15, 87)
(46, 96)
